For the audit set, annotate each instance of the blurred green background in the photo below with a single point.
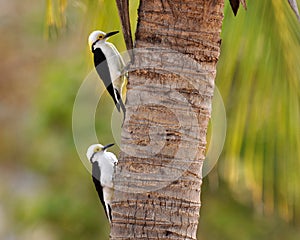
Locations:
(46, 192)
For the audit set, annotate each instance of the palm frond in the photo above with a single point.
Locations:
(258, 76)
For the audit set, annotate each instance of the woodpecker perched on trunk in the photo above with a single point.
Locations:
(109, 65)
(103, 166)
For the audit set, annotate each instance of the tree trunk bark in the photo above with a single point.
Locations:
(169, 95)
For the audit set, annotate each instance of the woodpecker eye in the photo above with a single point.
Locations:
(97, 149)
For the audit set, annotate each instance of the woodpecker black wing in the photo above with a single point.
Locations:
(96, 179)
(102, 68)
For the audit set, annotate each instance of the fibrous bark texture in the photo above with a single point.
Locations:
(169, 95)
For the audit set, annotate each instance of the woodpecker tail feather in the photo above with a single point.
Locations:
(123, 109)
(121, 104)
(109, 213)
(118, 106)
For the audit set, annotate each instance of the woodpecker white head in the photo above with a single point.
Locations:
(103, 167)
(96, 150)
(99, 37)
(109, 65)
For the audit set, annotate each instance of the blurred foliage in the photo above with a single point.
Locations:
(55, 17)
(259, 78)
(45, 191)
(224, 217)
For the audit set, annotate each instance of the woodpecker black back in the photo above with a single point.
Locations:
(96, 179)
(102, 68)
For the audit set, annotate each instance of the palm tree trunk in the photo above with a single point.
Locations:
(169, 95)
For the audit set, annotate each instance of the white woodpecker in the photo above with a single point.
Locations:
(109, 65)
(103, 166)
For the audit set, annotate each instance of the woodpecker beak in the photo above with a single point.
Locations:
(107, 146)
(110, 34)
